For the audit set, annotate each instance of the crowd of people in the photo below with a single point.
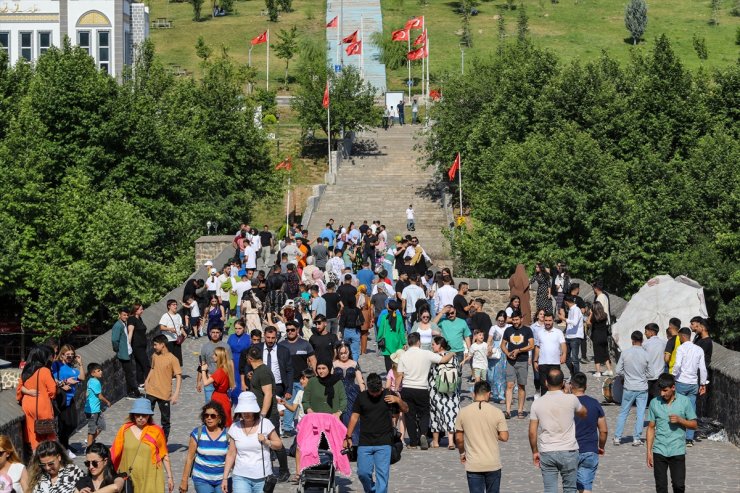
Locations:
(282, 340)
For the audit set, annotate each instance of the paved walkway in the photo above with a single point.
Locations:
(365, 17)
(712, 466)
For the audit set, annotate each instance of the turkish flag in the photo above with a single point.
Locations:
(325, 102)
(435, 94)
(350, 39)
(455, 167)
(422, 39)
(334, 22)
(285, 164)
(415, 23)
(262, 38)
(354, 48)
(417, 54)
(400, 35)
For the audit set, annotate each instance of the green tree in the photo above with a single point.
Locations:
(197, 8)
(714, 19)
(392, 53)
(202, 49)
(636, 19)
(700, 47)
(286, 5)
(522, 25)
(286, 47)
(272, 10)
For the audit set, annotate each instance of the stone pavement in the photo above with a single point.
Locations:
(711, 466)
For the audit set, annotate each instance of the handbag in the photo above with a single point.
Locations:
(181, 336)
(381, 344)
(42, 426)
(396, 445)
(271, 480)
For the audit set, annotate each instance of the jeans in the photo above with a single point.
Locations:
(588, 463)
(573, 362)
(484, 482)
(414, 117)
(628, 398)
(374, 457)
(560, 462)
(203, 487)
(332, 325)
(352, 337)
(208, 392)
(677, 466)
(164, 411)
(690, 391)
(432, 308)
(288, 415)
(417, 419)
(247, 485)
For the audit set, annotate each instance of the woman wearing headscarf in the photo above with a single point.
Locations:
(325, 393)
(519, 286)
(36, 390)
(318, 280)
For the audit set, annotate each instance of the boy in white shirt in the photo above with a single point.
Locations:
(478, 352)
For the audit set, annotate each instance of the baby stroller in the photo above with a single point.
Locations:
(320, 437)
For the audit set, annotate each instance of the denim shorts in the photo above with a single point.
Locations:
(588, 462)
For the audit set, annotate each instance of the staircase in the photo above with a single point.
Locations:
(378, 182)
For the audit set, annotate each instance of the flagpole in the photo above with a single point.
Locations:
(328, 126)
(341, 32)
(249, 64)
(423, 61)
(338, 50)
(287, 208)
(459, 178)
(408, 62)
(362, 54)
(268, 59)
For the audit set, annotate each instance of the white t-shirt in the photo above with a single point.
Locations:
(409, 213)
(168, 320)
(250, 257)
(14, 472)
(256, 242)
(574, 324)
(549, 342)
(479, 351)
(213, 283)
(194, 309)
(446, 295)
(298, 400)
(224, 294)
(250, 454)
(241, 288)
(415, 364)
(412, 293)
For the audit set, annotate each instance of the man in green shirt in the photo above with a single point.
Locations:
(669, 417)
(454, 329)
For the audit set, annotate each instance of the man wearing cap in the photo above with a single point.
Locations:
(654, 347)
(690, 371)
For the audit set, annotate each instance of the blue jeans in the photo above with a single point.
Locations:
(247, 485)
(690, 391)
(374, 457)
(352, 336)
(628, 398)
(484, 482)
(208, 392)
(588, 462)
(432, 308)
(562, 462)
(574, 362)
(288, 415)
(203, 487)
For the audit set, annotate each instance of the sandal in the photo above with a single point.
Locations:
(296, 479)
(520, 415)
(450, 447)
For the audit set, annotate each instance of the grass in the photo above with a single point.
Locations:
(176, 46)
(572, 29)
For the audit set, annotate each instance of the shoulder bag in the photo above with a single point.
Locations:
(181, 336)
(43, 426)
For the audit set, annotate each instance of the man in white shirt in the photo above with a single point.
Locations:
(690, 370)
(413, 373)
(654, 346)
(409, 296)
(170, 325)
(573, 334)
(446, 294)
(550, 350)
(335, 264)
(212, 284)
(250, 255)
(410, 224)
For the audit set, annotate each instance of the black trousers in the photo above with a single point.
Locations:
(543, 370)
(67, 423)
(128, 373)
(164, 410)
(653, 390)
(677, 466)
(281, 454)
(176, 350)
(388, 363)
(417, 419)
(141, 363)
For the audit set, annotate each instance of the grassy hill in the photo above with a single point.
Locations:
(572, 28)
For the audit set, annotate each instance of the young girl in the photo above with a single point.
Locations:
(392, 385)
(478, 352)
(222, 380)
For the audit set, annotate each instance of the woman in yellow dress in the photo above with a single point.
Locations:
(140, 450)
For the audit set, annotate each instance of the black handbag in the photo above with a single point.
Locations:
(271, 480)
(396, 446)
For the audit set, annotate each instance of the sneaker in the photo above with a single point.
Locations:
(288, 434)
(584, 361)
(132, 396)
(637, 442)
(71, 455)
(424, 443)
(689, 443)
(617, 441)
(283, 477)
(608, 373)
(507, 414)
(598, 374)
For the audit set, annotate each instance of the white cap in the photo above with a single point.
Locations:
(208, 263)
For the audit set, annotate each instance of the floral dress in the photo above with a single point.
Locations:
(443, 408)
(543, 284)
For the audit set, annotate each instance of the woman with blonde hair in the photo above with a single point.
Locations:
(222, 380)
(13, 474)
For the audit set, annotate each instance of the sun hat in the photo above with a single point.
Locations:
(396, 357)
(142, 405)
(247, 403)
(208, 263)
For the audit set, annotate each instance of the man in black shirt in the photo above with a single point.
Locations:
(322, 341)
(347, 291)
(268, 244)
(368, 249)
(701, 328)
(516, 343)
(479, 320)
(401, 284)
(332, 307)
(302, 355)
(462, 307)
(375, 408)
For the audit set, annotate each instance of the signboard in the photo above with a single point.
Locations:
(337, 68)
(393, 98)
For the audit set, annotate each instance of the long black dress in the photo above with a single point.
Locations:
(600, 338)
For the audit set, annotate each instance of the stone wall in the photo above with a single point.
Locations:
(210, 247)
(724, 394)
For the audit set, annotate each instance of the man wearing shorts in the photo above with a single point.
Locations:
(518, 340)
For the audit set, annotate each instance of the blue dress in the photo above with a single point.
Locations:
(214, 318)
(238, 344)
(352, 390)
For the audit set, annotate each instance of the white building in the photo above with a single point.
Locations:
(108, 29)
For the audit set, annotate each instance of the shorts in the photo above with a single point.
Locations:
(588, 462)
(517, 372)
(480, 373)
(95, 423)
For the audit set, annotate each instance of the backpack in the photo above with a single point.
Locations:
(447, 377)
(359, 319)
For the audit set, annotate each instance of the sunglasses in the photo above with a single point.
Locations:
(290, 330)
(210, 415)
(44, 465)
(92, 463)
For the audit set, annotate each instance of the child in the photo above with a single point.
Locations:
(297, 405)
(93, 408)
(192, 316)
(478, 352)
(391, 383)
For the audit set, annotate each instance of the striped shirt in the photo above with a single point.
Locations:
(210, 456)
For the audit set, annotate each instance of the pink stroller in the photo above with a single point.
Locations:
(320, 438)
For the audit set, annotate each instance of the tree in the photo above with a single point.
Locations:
(286, 5)
(714, 19)
(392, 53)
(286, 47)
(466, 37)
(522, 25)
(272, 10)
(636, 19)
(197, 7)
(202, 49)
(700, 47)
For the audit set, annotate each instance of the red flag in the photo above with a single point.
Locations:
(354, 48)
(334, 22)
(262, 38)
(350, 39)
(422, 39)
(400, 35)
(417, 54)
(285, 164)
(325, 102)
(435, 94)
(415, 23)
(455, 167)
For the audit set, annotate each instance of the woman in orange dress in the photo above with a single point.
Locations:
(222, 380)
(36, 390)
